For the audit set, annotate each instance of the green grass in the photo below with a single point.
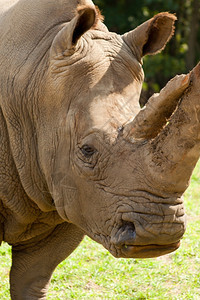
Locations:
(92, 273)
(5, 263)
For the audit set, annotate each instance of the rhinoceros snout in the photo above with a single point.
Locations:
(160, 236)
(125, 235)
(125, 242)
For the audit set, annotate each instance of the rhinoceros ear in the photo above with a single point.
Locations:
(152, 36)
(68, 36)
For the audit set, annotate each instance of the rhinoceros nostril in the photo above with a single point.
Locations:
(125, 235)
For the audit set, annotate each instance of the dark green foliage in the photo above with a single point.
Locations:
(183, 51)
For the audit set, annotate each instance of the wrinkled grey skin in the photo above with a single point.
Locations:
(67, 91)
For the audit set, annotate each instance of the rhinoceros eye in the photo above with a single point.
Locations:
(88, 151)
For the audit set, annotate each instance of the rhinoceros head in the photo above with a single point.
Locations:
(124, 192)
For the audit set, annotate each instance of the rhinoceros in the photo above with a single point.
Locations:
(77, 154)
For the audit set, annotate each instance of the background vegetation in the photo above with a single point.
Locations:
(183, 51)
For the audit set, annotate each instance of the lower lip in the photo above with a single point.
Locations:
(148, 251)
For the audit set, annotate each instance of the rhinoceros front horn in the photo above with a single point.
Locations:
(170, 124)
(159, 108)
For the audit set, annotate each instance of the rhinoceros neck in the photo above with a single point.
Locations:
(27, 33)
(14, 201)
(26, 25)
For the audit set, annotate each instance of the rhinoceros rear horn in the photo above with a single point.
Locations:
(68, 36)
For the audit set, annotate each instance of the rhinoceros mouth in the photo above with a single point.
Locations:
(148, 251)
(127, 245)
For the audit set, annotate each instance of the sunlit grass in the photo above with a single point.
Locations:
(5, 263)
(92, 273)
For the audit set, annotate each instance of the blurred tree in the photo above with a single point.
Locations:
(183, 51)
(194, 20)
